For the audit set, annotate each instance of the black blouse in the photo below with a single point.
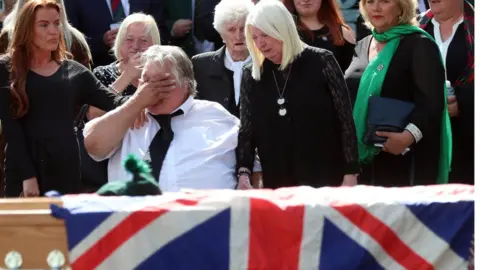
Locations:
(322, 38)
(109, 74)
(43, 143)
(315, 142)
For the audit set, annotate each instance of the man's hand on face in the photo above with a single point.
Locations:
(156, 88)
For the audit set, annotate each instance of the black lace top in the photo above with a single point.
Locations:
(109, 74)
(315, 142)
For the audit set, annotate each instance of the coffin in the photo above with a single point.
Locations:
(294, 228)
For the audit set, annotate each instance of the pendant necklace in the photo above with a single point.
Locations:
(281, 99)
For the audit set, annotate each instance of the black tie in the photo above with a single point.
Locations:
(159, 146)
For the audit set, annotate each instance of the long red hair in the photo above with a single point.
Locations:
(20, 52)
(329, 14)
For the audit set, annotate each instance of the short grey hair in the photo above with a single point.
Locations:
(151, 29)
(182, 67)
(228, 11)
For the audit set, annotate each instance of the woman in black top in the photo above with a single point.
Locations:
(321, 25)
(294, 108)
(219, 73)
(39, 91)
(415, 75)
(451, 23)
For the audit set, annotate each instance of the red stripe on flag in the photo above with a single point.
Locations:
(387, 238)
(125, 230)
(275, 235)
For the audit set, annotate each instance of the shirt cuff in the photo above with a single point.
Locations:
(415, 131)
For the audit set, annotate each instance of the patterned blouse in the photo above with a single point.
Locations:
(109, 74)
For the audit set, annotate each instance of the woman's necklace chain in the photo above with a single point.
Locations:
(281, 100)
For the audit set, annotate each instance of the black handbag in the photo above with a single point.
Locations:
(94, 174)
(386, 114)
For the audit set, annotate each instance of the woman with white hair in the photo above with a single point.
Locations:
(294, 108)
(136, 34)
(219, 73)
(400, 64)
(74, 39)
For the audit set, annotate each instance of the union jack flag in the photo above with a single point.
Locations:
(303, 228)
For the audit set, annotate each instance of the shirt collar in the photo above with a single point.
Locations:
(437, 24)
(229, 61)
(186, 106)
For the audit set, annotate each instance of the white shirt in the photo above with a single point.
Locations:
(444, 44)
(201, 155)
(237, 68)
(124, 3)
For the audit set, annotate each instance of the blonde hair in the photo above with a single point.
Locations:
(408, 14)
(70, 33)
(151, 29)
(273, 18)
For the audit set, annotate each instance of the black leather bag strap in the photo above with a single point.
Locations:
(79, 120)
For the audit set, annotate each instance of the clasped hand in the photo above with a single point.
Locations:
(452, 106)
(396, 142)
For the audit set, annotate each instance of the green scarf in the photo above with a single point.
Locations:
(371, 85)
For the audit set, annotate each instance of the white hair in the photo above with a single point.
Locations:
(273, 18)
(151, 29)
(70, 33)
(228, 11)
(182, 67)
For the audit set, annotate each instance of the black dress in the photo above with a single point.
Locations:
(322, 38)
(109, 74)
(416, 74)
(43, 143)
(462, 125)
(314, 143)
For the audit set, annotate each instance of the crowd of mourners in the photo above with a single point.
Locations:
(235, 94)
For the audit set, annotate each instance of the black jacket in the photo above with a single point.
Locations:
(214, 80)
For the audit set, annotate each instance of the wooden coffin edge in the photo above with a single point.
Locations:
(27, 227)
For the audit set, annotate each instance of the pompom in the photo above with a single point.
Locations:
(137, 167)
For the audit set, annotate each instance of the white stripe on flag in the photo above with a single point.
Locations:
(360, 237)
(417, 236)
(113, 220)
(97, 234)
(160, 232)
(312, 238)
(239, 233)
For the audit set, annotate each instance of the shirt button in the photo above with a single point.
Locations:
(225, 99)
